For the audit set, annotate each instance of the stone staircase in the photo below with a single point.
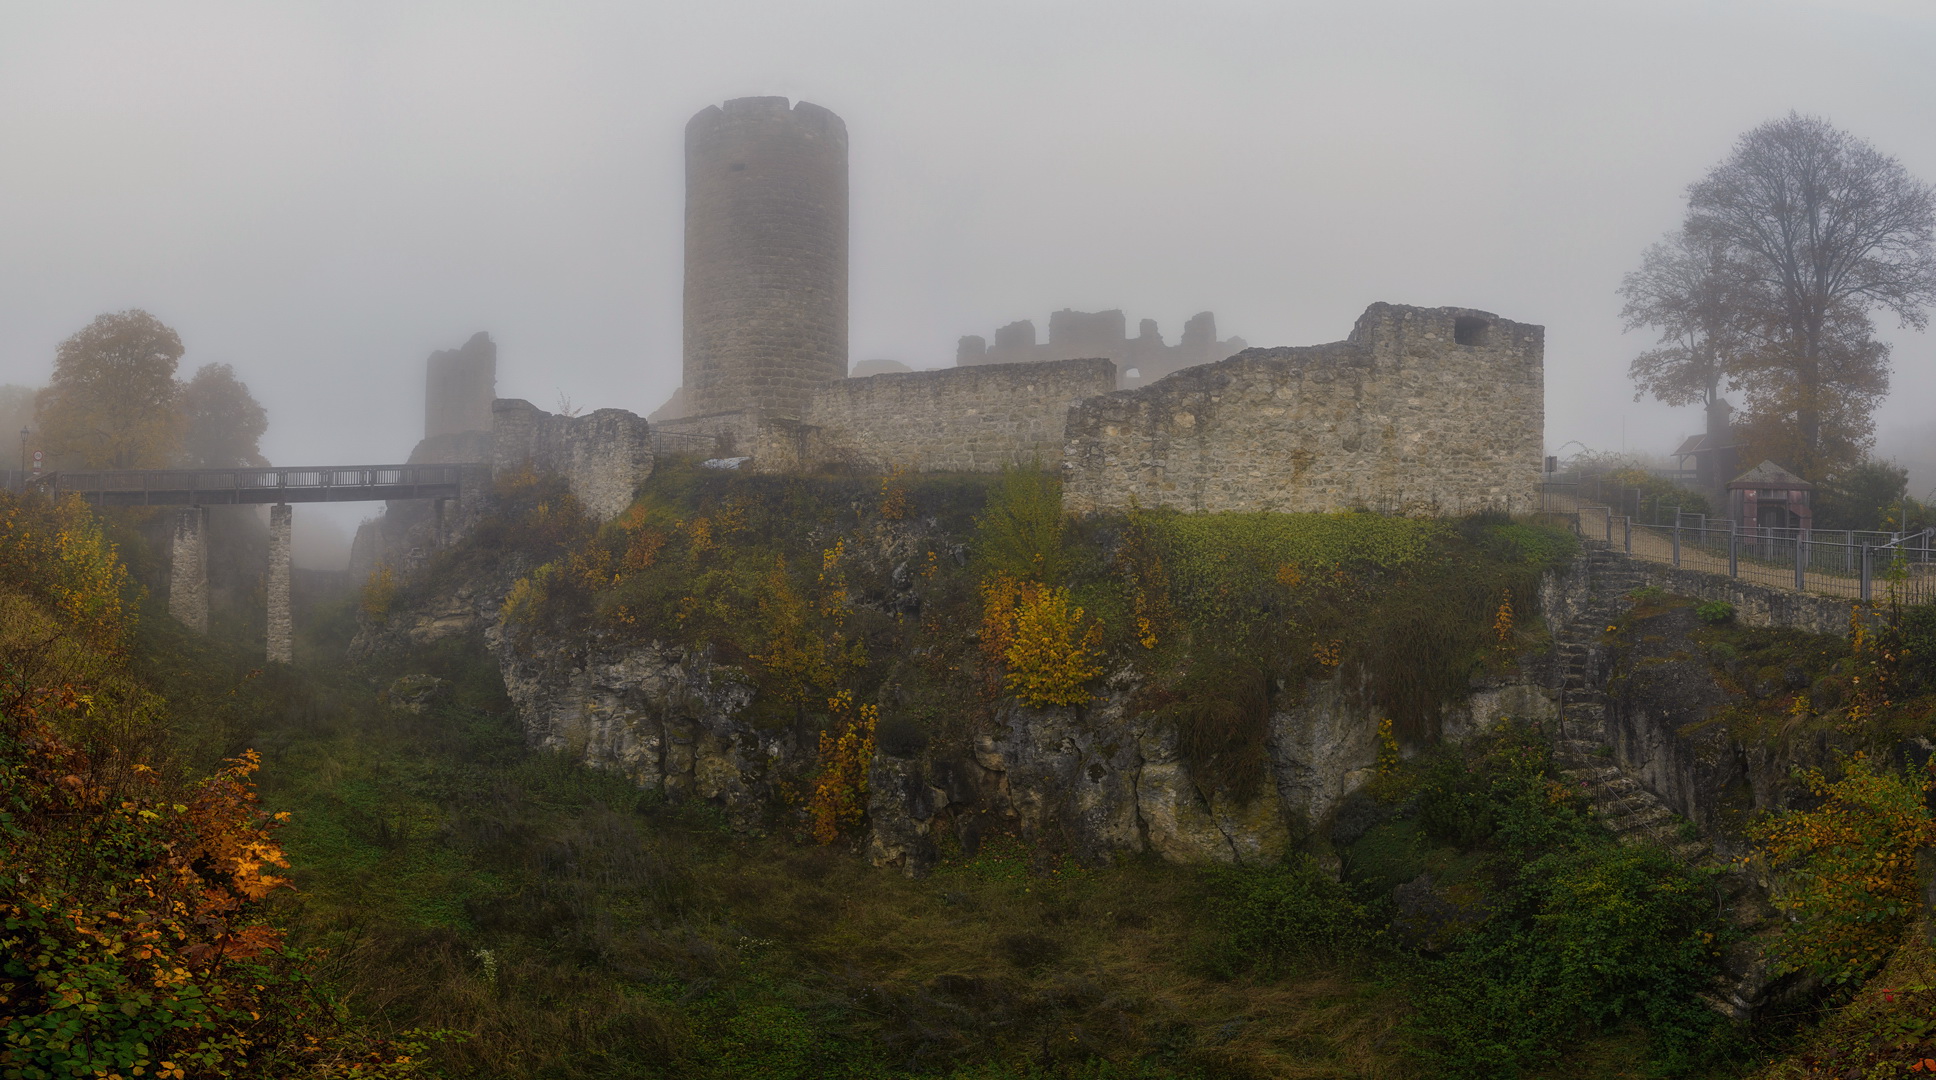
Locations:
(1582, 752)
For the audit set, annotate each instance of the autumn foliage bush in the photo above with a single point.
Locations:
(1048, 649)
(135, 929)
(839, 799)
(1847, 868)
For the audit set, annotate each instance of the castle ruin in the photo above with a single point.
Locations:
(1073, 335)
(1418, 410)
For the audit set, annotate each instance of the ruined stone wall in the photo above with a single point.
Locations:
(459, 386)
(1420, 410)
(766, 255)
(604, 455)
(1139, 360)
(975, 419)
(711, 435)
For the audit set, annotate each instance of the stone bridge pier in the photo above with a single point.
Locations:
(188, 577)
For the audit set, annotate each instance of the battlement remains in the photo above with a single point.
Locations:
(1139, 360)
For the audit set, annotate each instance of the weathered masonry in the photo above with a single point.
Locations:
(766, 255)
(1420, 410)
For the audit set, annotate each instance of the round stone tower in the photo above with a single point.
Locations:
(766, 255)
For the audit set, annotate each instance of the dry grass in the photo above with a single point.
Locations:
(1044, 970)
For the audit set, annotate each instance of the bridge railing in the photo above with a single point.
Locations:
(253, 484)
(1857, 565)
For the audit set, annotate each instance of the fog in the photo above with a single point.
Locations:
(321, 195)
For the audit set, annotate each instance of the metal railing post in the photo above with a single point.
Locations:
(1677, 537)
(1627, 530)
(1868, 571)
(1801, 561)
(1734, 551)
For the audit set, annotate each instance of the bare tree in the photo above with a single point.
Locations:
(1819, 229)
(1685, 289)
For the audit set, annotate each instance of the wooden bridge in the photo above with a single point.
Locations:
(194, 490)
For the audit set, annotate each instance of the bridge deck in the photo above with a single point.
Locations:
(215, 487)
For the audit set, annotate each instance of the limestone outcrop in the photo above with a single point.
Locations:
(1095, 782)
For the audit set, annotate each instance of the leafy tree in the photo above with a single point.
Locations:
(113, 401)
(1788, 247)
(1866, 495)
(222, 424)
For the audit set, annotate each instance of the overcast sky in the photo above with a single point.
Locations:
(322, 194)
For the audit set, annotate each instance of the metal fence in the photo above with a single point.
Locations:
(1856, 565)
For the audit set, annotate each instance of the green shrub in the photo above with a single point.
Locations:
(1020, 532)
(1277, 920)
(1715, 612)
(1647, 596)
(1917, 627)
(1582, 932)
(1222, 718)
(1587, 938)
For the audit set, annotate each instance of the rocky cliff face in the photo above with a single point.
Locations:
(1095, 782)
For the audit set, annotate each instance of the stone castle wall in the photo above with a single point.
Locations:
(604, 455)
(1420, 410)
(975, 419)
(766, 255)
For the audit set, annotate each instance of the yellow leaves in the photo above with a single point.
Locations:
(796, 661)
(840, 791)
(55, 550)
(522, 603)
(642, 549)
(379, 592)
(1048, 647)
(894, 494)
(1290, 576)
(1502, 621)
(1328, 654)
(1847, 867)
(834, 603)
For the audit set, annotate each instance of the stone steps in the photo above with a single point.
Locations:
(1585, 758)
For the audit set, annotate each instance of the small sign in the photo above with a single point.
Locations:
(37, 456)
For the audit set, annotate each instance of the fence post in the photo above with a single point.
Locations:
(1677, 537)
(1626, 525)
(1609, 511)
(1801, 561)
(1734, 551)
(1868, 568)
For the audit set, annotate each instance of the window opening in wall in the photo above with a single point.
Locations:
(1470, 331)
(1132, 373)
